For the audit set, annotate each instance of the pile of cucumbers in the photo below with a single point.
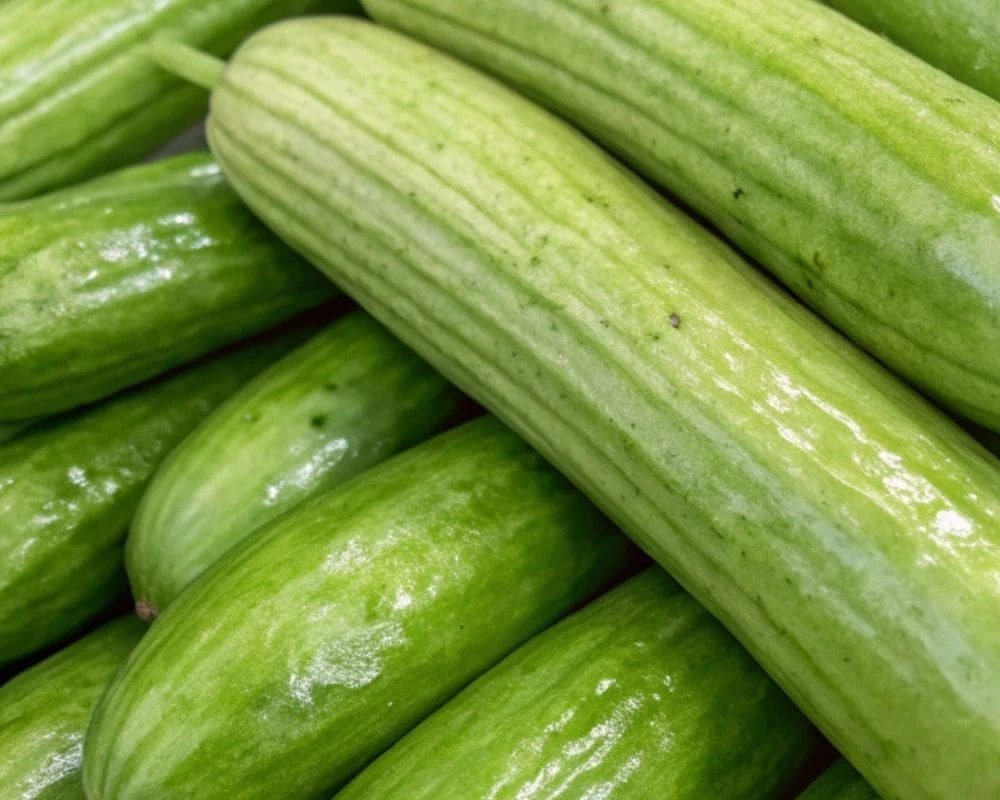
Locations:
(406, 444)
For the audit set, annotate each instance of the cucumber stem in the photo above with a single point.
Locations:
(185, 61)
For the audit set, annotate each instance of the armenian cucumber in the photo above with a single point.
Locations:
(70, 485)
(958, 36)
(845, 530)
(79, 96)
(866, 180)
(311, 648)
(348, 398)
(640, 695)
(839, 782)
(45, 710)
(112, 282)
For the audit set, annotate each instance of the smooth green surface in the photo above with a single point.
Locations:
(44, 713)
(306, 652)
(845, 531)
(79, 96)
(864, 179)
(114, 281)
(958, 36)
(640, 695)
(8, 430)
(839, 782)
(347, 399)
(70, 485)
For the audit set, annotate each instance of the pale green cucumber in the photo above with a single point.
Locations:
(958, 36)
(70, 485)
(845, 531)
(640, 695)
(351, 396)
(839, 782)
(305, 652)
(45, 710)
(114, 281)
(866, 180)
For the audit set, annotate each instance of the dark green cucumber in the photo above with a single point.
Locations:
(114, 281)
(640, 695)
(866, 180)
(958, 36)
(310, 649)
(841, 527)
(79, 96)
(350, 397)
(8, 430)
(45, 710)
(839, 782)
(70, 485)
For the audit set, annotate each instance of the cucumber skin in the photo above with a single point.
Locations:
(839, 782)
(642, 694)
(404, 584)
(83, 98)
(350, 397)
(44, 712)
(864, 179)
(626, 344)
(958, 36)
(92, 277)
(69, 487)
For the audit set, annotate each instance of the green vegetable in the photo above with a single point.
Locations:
(839, 782)
(841, 527)
(8, 430)
(640, 695)
(44, 713)
(864, 179)
(958, 36)
(112, 282)
(350, 397)
(314, 646)
(70, 485)
(79, 95)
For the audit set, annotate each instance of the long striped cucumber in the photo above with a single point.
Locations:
(842, 528)
(640, 695)
(351, 396)
(78, 94)
(863, 178)
(70, 485)
(45, 710)
(314, 646)
(958, 36)
(114, 281)
(839, 782)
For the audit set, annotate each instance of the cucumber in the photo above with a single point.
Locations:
(840, 526)
(314, 646)
(839, 782)
(70, 485)
(958, 36)
(114, 281)
(8, 430)
(44, 713)
(640, 695)
(79, 96)
(864, 179)
(350, 397)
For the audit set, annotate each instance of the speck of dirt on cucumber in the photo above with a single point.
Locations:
(675, 320)
(318, 421)
(331, 387)
(738, 193)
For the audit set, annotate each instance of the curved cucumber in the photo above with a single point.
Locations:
(306, 652)
(640, 695)
(112, 282)
(70, 485)
(839, 782)
(958, 36)
(831, 518)
(866, 180)
(45, 710)
(350, 397)
(78, 95)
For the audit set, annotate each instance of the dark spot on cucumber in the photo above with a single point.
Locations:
(737, 193)
(318, 421)
(330, 387)
(818, 261)
(605, 323)
(675, 321)
(809, 283)
(145, 610)
(535, 261)
(655, 337)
